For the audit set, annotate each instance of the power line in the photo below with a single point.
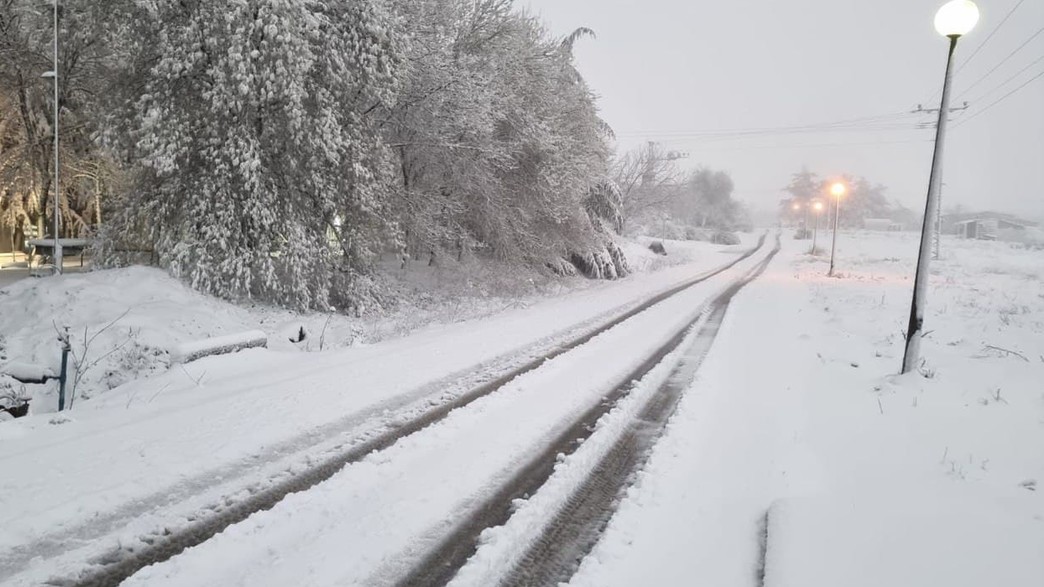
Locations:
(990, 36)
(1002, 61)
(812, 145)
(712, 136)
(1005, 82)
(1001, 99)
(812, 124)
(733, 134)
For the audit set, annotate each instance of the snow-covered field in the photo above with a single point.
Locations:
(872, 478)
(796, 426)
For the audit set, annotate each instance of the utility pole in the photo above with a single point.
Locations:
(937, 229)
(656, 155)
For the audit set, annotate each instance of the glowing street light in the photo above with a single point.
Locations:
(953, 20)
(837, 189)
(956, 18)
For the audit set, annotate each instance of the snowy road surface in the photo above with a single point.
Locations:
(146, 455)
(378, 515)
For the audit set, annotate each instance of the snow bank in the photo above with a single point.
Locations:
(124, 323)
(218, 345)
(121, 324)
(642, 259)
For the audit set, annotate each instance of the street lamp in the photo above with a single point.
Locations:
(837, 189)
(953, 20)
(57, 255)
(817, 207)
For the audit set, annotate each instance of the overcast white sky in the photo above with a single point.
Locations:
(671, 70)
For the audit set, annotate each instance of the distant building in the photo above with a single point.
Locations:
(987, 225)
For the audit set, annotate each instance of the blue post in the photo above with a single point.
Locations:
(61, 375)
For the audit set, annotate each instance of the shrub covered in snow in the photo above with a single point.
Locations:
(14, 398)
(657, 247)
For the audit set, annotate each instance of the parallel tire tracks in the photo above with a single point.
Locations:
(119, 564)
(576, 528)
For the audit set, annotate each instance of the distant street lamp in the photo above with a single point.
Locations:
(953, 20)
(817, 207)
(837, 189)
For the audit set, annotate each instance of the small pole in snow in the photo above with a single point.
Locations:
(66, 347)
(837, 189)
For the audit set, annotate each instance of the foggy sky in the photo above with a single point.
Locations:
(666, 70)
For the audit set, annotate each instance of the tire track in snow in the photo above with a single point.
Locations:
(116, 565)
(576, 529)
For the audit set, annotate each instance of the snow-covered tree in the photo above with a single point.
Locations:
(496, 134)
(27, 117)
(708, 202)
(262, 171)
(648, 178)
(277, 147)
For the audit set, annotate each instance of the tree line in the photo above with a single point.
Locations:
(274, 149)
(659, 197)
(862, 200)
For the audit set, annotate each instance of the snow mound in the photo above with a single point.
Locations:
(901, 540)
(26, 371)
(121, 323)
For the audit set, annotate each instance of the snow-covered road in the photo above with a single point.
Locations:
(147, 455)
(378, 516)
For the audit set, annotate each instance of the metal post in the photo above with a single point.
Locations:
(63, 374)
(915, 327)
(833, 241)
(57, 191)
(815, 235)
(937, 235)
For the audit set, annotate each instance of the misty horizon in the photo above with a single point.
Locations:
(679, 74)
